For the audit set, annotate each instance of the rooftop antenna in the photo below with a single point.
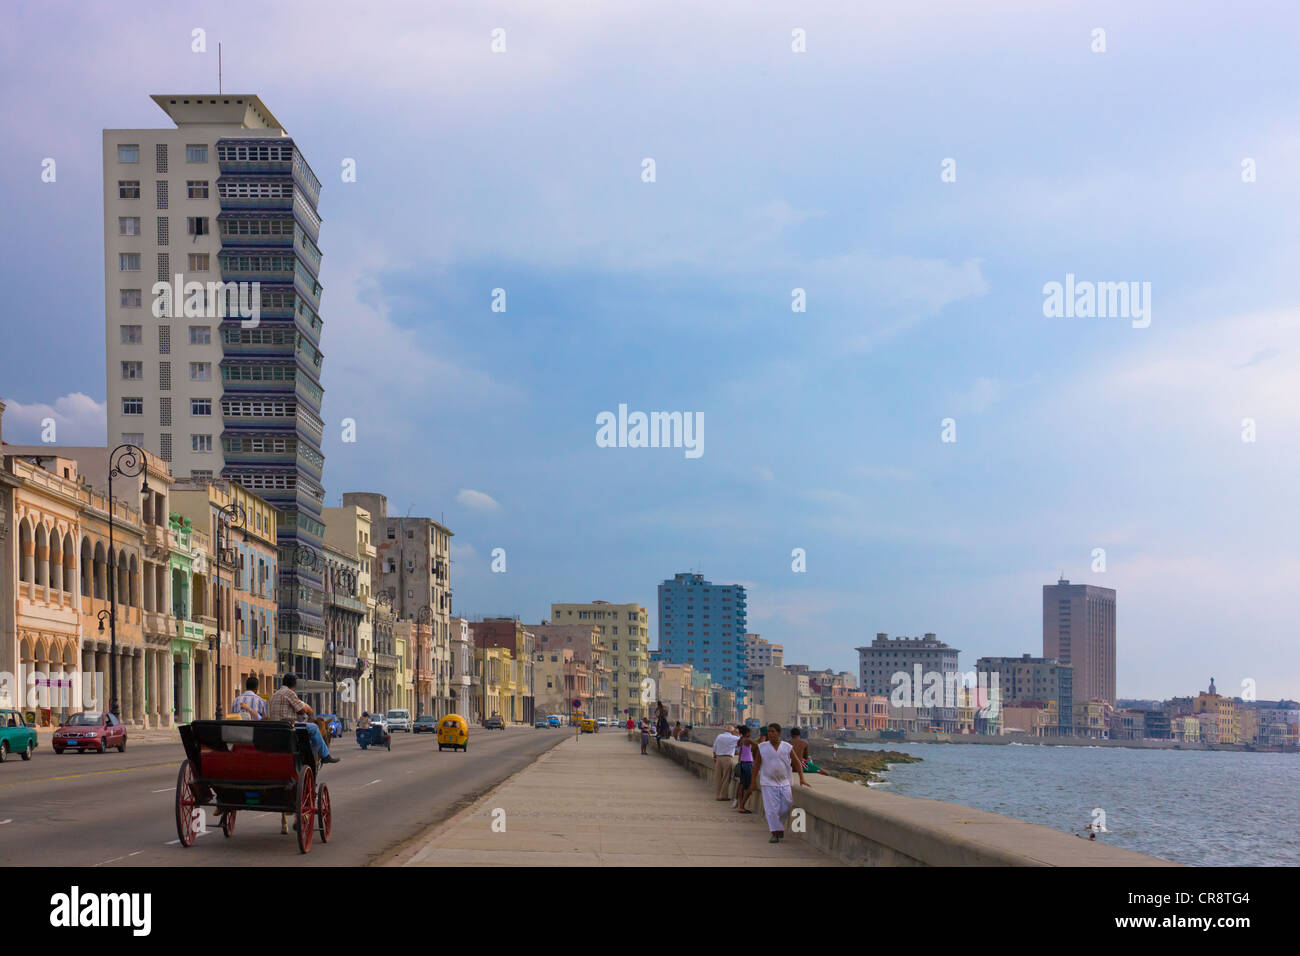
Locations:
(219, 89)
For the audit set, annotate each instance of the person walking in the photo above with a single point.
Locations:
(630, 726)
(773, 766)
(744, 770)
(645, 734)
(724, 761)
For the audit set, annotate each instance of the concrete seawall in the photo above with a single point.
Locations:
(865, 827)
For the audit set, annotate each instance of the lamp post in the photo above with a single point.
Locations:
(422, 617)
(232, 515)
(124, 461)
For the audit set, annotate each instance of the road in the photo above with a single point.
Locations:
(119, 809)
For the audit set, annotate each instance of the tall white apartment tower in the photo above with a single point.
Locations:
(222, 385)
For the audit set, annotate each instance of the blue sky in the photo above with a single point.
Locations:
(775, 170)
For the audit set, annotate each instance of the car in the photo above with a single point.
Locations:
(335, 724)
(495, 722)
(553, 720)
(602, 721)
(399, 719)
(541, 723)
(426, 724)
(90, 731)
(15, 736)
(453, 732)
(586, 725)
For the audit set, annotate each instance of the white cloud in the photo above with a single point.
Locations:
(477, 500)
(78, 420)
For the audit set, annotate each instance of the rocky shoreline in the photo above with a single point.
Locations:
(860, 766)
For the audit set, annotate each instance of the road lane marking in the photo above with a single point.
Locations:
(3, 822)
(89, 773)
(163, 790)
(372, 782)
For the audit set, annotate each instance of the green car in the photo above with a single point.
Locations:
(15, 735)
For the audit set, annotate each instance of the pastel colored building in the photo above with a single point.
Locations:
(624, 630)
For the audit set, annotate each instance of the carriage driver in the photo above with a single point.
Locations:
(286, 705)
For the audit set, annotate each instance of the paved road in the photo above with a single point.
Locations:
(119, 809)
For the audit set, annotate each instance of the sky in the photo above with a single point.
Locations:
(1169, 157)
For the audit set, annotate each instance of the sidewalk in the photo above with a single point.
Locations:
(595, 801)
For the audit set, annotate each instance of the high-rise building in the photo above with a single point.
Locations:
(703, 624)
(624, 633)
(922, 663)
(1079, 630)
(760, 654)
(213, 340)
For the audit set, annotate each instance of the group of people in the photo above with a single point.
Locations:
(767, 765)
(658, 728)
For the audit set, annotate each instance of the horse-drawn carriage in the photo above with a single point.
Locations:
(264, 765)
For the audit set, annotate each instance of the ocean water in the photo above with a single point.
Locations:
(1205, 808)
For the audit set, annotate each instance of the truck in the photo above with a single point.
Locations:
(16, 737)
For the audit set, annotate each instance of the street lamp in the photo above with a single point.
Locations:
(423, 616)
(125, 461)
(232, 515)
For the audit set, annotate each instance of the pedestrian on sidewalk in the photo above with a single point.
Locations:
(744, 770)
(773, 766)
(645, 734)
(630, 725)
(661, 728)
(724, 762)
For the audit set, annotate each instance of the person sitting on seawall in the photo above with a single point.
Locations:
(800, 748)
(248, 705)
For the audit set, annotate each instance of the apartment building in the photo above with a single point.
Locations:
(625, 631)
(704, 624)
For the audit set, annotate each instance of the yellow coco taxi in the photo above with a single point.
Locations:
(586, 725)
(453, 732)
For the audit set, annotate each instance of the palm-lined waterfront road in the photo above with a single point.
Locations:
(119, 809)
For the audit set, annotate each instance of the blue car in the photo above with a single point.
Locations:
(553, 720)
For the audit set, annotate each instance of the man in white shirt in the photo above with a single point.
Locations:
(724, 761)
(772, 767)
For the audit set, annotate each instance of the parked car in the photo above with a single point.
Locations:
(399, 719)
(335, 725)
(495, 722)
(15, 736)
(90, 731)
(554, 721)
(426, 724)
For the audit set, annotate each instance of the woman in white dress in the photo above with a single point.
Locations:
(772, 768)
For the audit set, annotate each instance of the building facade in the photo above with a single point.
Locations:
(586, 643)
(909, 671)
(1079, 630)
(704, 624)
(624, 630)
(1026, 680)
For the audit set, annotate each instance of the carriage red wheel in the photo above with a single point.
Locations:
(228, 823)
(323, 813)
(306, 797)
(186, 804)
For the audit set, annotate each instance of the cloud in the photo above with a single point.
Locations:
(78, 420)
(477, 500)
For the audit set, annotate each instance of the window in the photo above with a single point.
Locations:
(164, 231)
(201, 474)
(201, 443)
(162, 194)
(200, 335)
(197, 225)
(198, 262)
(128, 189)
(132, 334)
(196, 188)
(128, 154)
(133, 438)
(132, 406)
(133, 370)
(200, 406)
(196, 153)
(160, 158)
(128, 261)
(128, 225)
(201, 371)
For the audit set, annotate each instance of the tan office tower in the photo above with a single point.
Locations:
(1079, 630)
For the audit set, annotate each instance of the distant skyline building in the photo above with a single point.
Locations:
(703, 624)
(624, 634)
(927, 662)
(760, 654)
(1079, 630)
(1027, 680)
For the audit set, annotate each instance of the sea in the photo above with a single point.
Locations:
(1199, 807)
